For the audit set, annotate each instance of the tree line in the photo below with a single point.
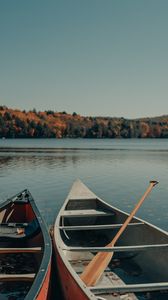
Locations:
(51, 124)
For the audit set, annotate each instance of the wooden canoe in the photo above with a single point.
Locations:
(25, 250)
(84, 226)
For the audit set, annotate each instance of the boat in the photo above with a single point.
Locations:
(84, 226)
(25, 250)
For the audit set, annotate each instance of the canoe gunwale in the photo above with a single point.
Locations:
(47, 249)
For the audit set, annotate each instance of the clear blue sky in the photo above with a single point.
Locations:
(95, 57)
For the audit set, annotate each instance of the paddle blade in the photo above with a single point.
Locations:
(96, 267)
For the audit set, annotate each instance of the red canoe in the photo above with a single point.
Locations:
(84, 226)
(25, 249)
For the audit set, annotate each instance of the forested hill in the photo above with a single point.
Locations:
(50, 124)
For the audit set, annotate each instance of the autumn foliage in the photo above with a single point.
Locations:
(15, 123)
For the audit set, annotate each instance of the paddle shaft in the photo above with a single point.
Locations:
(99, 263)
(132, 214)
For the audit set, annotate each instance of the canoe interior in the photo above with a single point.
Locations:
(24, 253)
(132, 267)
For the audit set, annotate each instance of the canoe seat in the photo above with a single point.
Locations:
(10, 230)
(87, 213)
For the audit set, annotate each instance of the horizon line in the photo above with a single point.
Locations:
(82, 115)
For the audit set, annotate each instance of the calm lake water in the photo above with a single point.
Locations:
(116, 170)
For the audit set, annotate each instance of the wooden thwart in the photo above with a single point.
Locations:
(20, 250)
(117, 248)
(132, 288)
(17, 277)
(98, 227)
(14, 224)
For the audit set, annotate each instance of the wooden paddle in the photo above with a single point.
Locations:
(99, 263)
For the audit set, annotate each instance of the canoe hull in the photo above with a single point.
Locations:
(44, 293)
(20, 212)
(70, 288)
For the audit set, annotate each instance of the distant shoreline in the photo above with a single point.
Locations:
(50, 124)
